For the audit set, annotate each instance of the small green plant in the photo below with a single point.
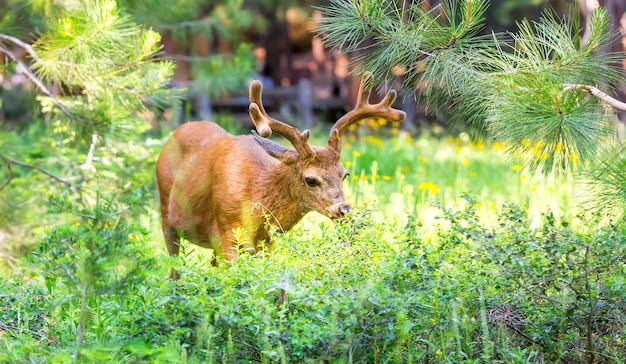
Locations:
(99, 254)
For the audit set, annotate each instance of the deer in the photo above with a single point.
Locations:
(220, 191)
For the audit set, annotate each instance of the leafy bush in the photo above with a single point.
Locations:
(362, 291)
(403, 280)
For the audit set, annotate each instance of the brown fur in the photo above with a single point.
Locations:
(211, 182)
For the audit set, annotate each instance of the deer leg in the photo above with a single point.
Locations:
(172, 242)
(227, 245)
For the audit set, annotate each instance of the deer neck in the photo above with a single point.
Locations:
(282, 200)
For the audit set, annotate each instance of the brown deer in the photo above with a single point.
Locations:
(212, 183)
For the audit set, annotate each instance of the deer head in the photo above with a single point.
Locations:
(318, 169)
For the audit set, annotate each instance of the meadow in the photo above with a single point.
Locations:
(451, 255)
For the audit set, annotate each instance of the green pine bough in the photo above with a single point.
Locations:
(542, 93)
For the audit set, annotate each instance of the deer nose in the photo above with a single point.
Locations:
(344, 209)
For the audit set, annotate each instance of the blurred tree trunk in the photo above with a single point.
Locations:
(277, 45)
(617, 25)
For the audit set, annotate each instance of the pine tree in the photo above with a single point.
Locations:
(98, 71)
(105, 64)
(541, 92)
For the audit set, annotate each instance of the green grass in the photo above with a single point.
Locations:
(400, 175)
(451, 255)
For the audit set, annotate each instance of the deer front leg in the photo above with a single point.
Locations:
(172, 242)
(227, 248)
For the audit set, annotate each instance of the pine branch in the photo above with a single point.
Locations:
(27, 47)
(37, 168)
(508, 88)
(597, 93)
(34, 78)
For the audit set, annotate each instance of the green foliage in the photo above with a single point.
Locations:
(106, 65)
(98, 255)
(514, 90)
(567, 126)
(219, 19)
(604, 187)
(572, 282)
(505, 273)
(362, 291)
(221, 75)
(400, 281)
(94, 254)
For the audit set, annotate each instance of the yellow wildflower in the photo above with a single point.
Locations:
(517, 168)
(373, 123)
(356, 154)
(465, 162)
(429, 186)
(348, 164)
(472, 174)
(386, 178)
(422, 159)
(373, 140)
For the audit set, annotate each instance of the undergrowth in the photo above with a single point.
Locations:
(365, 291)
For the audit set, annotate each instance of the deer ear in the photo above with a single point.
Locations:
(278, 151)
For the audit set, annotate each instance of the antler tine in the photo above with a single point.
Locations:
(265, 124)
(363, 110)
(256, 110)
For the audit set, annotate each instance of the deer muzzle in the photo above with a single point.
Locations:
(339, 210)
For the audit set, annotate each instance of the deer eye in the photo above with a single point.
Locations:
(311, 182)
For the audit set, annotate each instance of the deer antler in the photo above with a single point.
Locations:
(265, 124)
(362, 110)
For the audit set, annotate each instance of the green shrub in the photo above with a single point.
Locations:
(409, 282)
